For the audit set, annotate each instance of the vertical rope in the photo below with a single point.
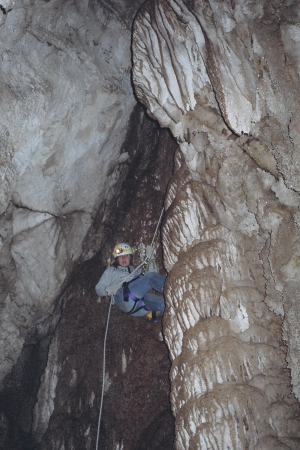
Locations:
(158, 223)
(106, 330)
(146, 263)
(103, 372)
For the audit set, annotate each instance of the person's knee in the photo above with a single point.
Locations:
(150, 275)
(155, 276)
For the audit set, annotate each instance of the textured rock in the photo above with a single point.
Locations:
(78, 171)
(52, 396)
(223, 77)
(66, 99)
(136, 411)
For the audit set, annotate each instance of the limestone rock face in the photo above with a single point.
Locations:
(51, 398)
(81, 168)
(136, 410)
(66, 100)
(223, 77)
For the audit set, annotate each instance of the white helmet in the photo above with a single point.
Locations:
(122, 249)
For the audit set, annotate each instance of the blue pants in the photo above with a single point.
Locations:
(140, 288)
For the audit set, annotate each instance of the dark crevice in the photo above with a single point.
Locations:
(26, 208)
(20, 387)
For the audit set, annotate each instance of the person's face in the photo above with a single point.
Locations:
(124, 260)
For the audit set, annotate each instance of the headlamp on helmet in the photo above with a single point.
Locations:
(122, 249)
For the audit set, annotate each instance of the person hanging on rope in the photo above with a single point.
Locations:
(130, 287)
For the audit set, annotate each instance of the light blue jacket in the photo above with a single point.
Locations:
(114, 275)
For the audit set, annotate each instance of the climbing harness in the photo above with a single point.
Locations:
(138, 303)
(145, 265)
(127, 294)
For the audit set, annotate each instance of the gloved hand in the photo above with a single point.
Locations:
(152, 266)
(149, 251)
(112, 289)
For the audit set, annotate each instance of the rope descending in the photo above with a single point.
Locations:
(145, 264)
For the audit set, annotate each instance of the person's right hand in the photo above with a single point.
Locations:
(149, 251)
(112, 289)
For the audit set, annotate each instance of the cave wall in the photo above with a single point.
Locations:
(66, 100)
(81, 168)
(51, 398)
(224, 78)
(136, 408)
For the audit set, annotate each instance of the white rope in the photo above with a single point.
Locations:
(106, 330)
(104, 358)
(103, 372)
(154, 236)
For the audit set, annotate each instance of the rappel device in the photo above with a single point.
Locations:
(150, 248)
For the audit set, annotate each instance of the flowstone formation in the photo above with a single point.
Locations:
(224, 78)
